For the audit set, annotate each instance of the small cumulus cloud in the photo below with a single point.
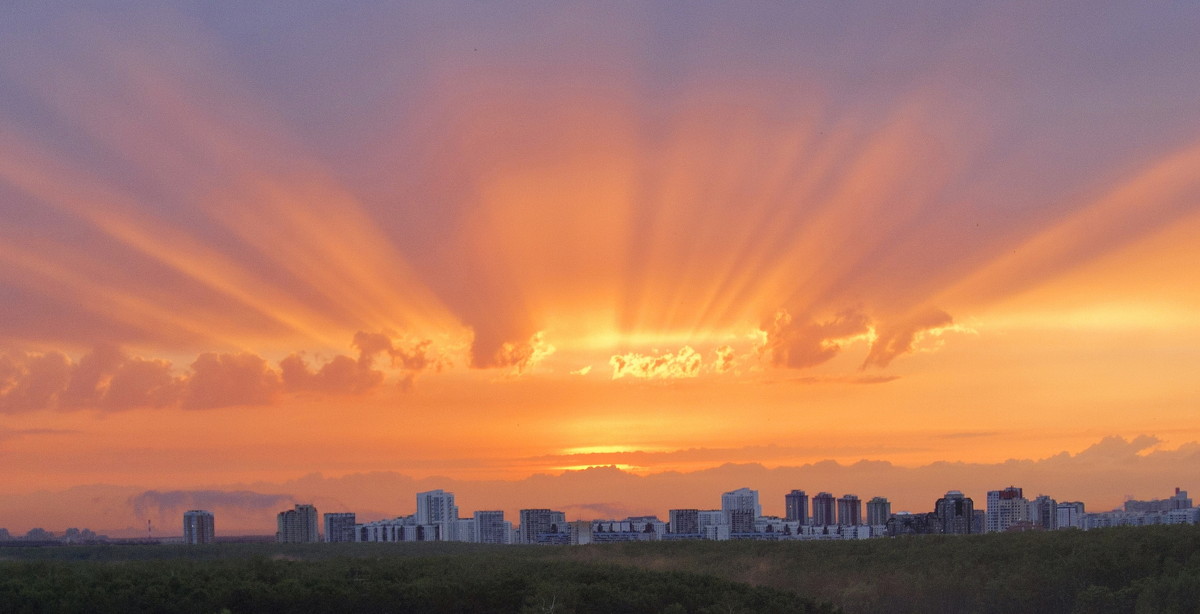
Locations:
(686, 363)
(582, 371)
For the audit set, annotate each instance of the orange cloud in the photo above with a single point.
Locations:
(797, 345)
(225, 380)
(341, 375)
(896, 339)
(32, 381)
(109, 379)
(520, 358)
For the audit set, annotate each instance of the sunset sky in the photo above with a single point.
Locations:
(260, 253)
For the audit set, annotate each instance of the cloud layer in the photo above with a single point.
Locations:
(108, 379)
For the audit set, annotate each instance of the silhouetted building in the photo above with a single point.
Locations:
(905, 523)
(1043, 513)
(879, 509)
(741, 521)
(1007, 509)
(198, 527)
(849, 511)
(684, 522)
(1069, 514)
(954, 513)
(536, 524)
(795, 506)
(1178, 502)
(824, 507)
(297, 525)
(491, 528)
(339, 527)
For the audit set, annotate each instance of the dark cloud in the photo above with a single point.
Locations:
(796, 345)
(91, 375)
(370, 344)
(521, 356)
(346, 375)
(897, 339)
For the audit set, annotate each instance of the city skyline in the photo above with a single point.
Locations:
(739, 516)
(252, 257)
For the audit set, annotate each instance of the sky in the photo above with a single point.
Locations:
(610, 258)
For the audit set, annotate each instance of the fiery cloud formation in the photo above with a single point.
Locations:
(684, 363)
(457, 210)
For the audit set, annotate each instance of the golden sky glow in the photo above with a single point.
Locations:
(483, 246)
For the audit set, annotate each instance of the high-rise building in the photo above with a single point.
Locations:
(339, 527)
(1069, 514)
(198, 527)
(824, 507)
(491, 528)
(1006, 509)
(435, 506)
(1043, 513)
(795, 505)
(536, 522)
(879, 509)
(742, 499)
(297, 525)
(954, 513)
(684, 522)
(849, 511)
